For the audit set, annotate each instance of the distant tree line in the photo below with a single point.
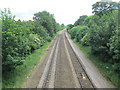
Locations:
(21, 38)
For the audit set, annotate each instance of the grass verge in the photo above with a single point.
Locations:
(105, 68)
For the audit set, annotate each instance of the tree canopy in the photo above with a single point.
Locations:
(99, 8)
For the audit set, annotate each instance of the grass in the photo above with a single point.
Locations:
(16, 78)
(105, 68)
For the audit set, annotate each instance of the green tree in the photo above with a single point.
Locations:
(82, 30)
(100, 8)
(47, 20)
(16, 43)
(73, 32)
(81, 20)
(69, 26)
(63, 26)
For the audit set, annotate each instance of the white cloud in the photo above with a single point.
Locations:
(65, 11)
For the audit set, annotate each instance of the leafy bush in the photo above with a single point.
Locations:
(73, 32)
(85, 39)
(20, 38)
(82, 30)
(114, 46)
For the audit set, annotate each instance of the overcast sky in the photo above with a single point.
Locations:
(65, 11)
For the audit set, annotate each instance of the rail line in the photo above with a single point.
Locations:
(83, 78)
(46, 72)
(79, 75)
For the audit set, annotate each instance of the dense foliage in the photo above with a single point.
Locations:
(20, 38)
(80, 21)
(101, 8)
(101, 32)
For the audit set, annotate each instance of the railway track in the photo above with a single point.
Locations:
(63, 68)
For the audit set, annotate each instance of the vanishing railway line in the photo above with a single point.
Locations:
(63, 69)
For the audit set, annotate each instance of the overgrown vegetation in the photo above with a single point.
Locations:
(21, 38)
(16, 77)
(101, 33)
